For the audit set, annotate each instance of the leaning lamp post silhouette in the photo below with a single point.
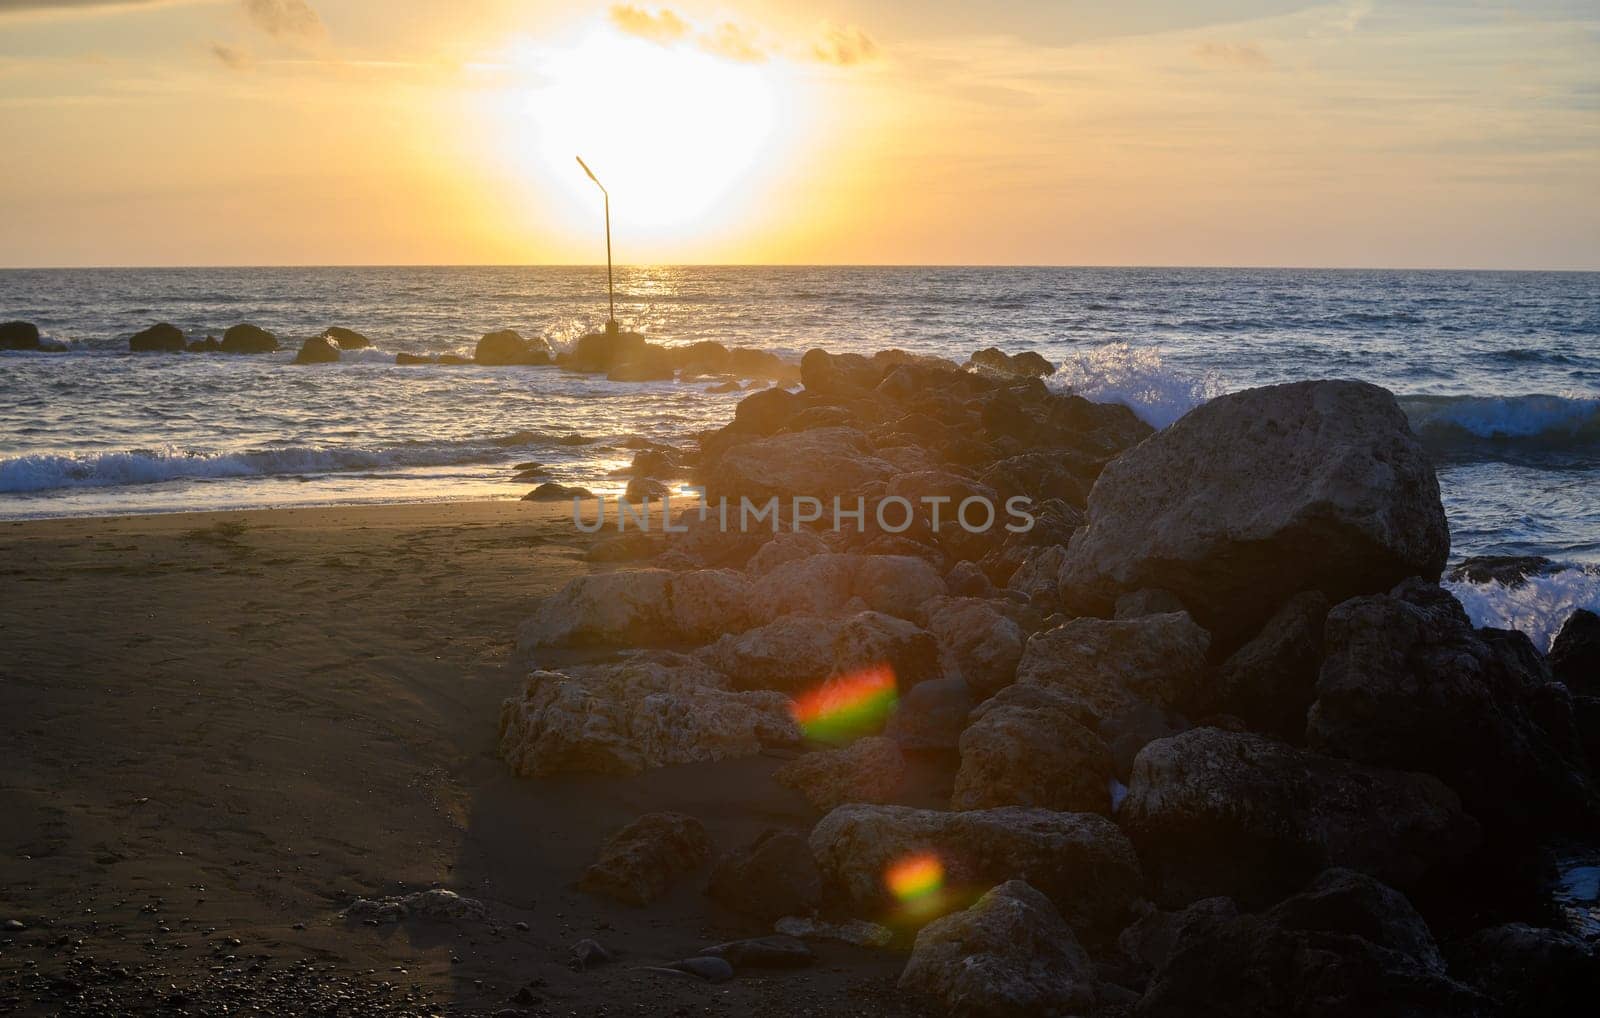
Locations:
(611, 290)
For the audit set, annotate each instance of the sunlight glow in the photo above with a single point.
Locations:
(669, 131)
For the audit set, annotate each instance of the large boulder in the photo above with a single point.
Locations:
(641, 861)
(1079, 860)
(19, 336)
(602, 351)
(1024, 747)
(1531, 972)
(1347, 945)
(984, 643)
(644, 712)
(1271, 681)
(932, 715)
(506, 347)
(995, 361)
(1107, 667)
(1575, 655)
(831, 582)
(870, 769)
(798, 652)
(772, 877)
(641, 606)
(1230, 813)
(817, 463)
(162, 337)
(247, 338)
(1408, 683)
(1258, 495)
(318, 350)
(1011, 953)
(348, 339)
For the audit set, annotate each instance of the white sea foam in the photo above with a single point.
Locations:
(23, 474)
(1506, 417)
(1537, 607)
(1136, 378)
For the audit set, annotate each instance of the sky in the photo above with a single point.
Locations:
(1242, 132)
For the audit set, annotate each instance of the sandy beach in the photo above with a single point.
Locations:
(222, 728)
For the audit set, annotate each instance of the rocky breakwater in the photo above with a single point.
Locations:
(1200, 738)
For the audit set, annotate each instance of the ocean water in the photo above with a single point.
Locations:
(1498, 372)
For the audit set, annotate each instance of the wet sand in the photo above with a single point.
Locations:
(219, 729)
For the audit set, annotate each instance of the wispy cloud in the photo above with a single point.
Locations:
(844, 46)
(663, 27)
(285, 19)
(733, 42)
(47, 8)
(1246, 55)
(232, 57)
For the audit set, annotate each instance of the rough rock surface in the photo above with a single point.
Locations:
(1108, 666)
(1408, 683)
(318, 350)
(248, 338)
(348, 339)
(553, 492)
(1011, 953)
(641, 861)
(162, 337)
(871, 769)
(1257, 495)
(814, 463)
(1024, 747)
(822, 584)
(1229, 813)
(932, 715)
(1079, 860)
(1347, 945)
(1271, 681)
(1152, 939)
(508, 347)
(640, 607)
(769, 878)
(1532, 973)
(1575, 655)
(984, 644)
(433, 905)
(797, 652)
(640, 713)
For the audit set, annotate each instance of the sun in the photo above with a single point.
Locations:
(668, 130)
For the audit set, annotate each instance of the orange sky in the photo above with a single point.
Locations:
(1254, 132)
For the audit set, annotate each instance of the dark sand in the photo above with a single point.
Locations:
(227, 726)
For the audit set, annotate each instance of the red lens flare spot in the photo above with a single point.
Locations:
(847, 706)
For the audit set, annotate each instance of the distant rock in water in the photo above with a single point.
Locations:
(1511, 570)
(1023, 365)
(318, 350)
(162, 337)
(247, 338)
(207, 345)
(553, 492)
(508, 347)
(19, 336)
(1256, 496)
(348, 339)
(601, 351)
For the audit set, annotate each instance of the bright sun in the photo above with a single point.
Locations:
(669, 131)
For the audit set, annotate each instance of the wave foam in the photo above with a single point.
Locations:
(47, 472)
(1467, 425)
(1538, 607)
(1136, 378)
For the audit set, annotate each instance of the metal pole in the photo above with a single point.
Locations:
(611, 288)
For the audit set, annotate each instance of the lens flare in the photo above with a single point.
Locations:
(915, 878)
(847, 706)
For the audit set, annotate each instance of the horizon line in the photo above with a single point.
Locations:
(794, 265)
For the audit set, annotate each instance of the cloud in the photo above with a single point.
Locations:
(662, 27)
(49, 7)
(733, 42)
(844, 46)
(1246, 55)
(285, 19)
(232, 57)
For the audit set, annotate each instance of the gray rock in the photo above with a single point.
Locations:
(1080, 860)
(771, 952)
(984, 643)
(797, 652)
(587, 954)
(19, 336)
(1154, 937)
(348, 339)
(821, 460)
(550, 491)
(1575, 655)
(318, 350)
(248, 338)
(1025, 748)
(434, 905)
(932, 715)
(711, 969)
(826, 583)
(641, 861)
(1011, 953)
(1532, 973)
(1229, 813)
(870, 769)
(1257, 495)
(1271, 681)
(640, 607)
(771, 877)
(1146, 601)
(162, 337)
(508, 346)
(850, 931)
(1106, 667)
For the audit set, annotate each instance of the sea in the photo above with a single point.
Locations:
(1499, 373)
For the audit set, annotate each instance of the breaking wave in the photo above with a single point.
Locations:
(1136, 378)
(1492, 427)
(1539, 606)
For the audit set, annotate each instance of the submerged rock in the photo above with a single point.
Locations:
(318, 350)
(509, 347)
(1079, 860)
(640, 713)
(599, 352)
(1011, 953)
(1230, 813)
(162, 337)
(1347, 945)
(248, 338)
(348, 339)
(870, 769)
(1257, 495)
(19, 336)
(641, 861)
